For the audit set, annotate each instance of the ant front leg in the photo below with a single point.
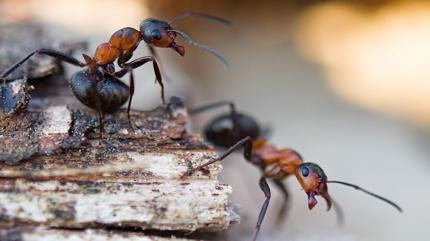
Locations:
(123, 58)
(247, 152)
(154, 53)
(50, 52)
(266, 190)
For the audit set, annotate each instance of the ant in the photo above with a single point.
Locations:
(236, 130)
(98, 85)
(155, 33)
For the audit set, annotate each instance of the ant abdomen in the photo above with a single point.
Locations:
(108, 94)
(222, 132)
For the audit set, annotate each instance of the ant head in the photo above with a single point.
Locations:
(160, 34)
(314, 182)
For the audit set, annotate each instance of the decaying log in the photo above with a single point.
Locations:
(28, 133)
(65, 176)
(162, 205)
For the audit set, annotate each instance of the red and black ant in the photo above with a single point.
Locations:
(98, 85)
(236, 130)
(156, 33)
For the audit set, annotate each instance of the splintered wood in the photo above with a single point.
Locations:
(66, 176)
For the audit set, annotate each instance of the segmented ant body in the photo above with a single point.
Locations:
(98, 85)
(155, 33)
(236, 130)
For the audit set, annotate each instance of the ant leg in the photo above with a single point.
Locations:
(50, 52)
(266, 190)
(131, 93)
(139, 62)
(200, 15)
(123, 58)
(285, 202)
(247, 151)
(154, 53)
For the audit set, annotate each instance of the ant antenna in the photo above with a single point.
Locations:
(214, 19)
(191, 42)
(201, 109)
(369, 193)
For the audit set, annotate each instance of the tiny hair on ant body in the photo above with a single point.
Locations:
(236, 130)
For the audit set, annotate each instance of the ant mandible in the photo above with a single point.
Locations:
(236, 130)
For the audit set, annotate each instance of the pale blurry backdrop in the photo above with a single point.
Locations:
(347, 85)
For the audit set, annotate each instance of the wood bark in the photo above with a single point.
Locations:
(65, 176)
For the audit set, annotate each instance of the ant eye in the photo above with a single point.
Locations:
(156, 34)
(305, 171)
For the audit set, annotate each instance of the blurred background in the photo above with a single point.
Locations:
(345, 84)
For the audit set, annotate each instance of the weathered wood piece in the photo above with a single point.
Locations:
(14, 96)
(25, 134)
(18, 40)
(133, 177)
